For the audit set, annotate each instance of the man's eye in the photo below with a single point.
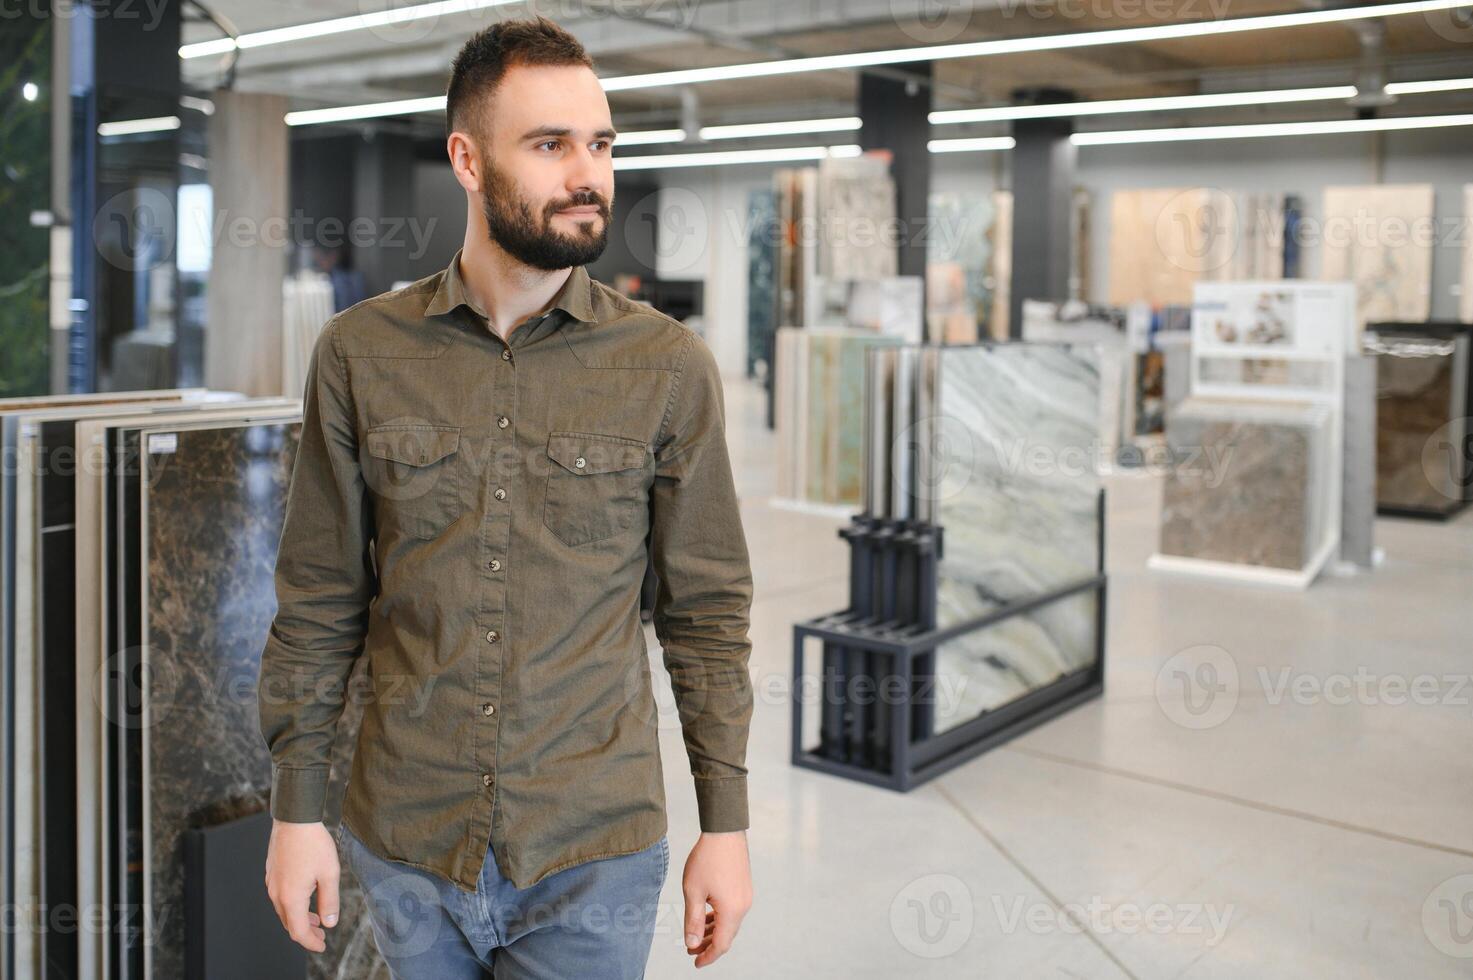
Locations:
(548, 143)
(603, 144)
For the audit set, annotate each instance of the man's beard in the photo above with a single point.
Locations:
(533, 241)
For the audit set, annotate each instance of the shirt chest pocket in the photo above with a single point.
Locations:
(595, 486)
(414, 473)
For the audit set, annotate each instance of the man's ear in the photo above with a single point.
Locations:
(465, 160)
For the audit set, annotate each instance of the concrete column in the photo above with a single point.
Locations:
(248, 174)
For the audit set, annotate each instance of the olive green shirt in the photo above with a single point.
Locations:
(475, 516)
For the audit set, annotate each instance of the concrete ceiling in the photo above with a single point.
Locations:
(636, 36)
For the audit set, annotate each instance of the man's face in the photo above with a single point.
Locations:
(549, 171)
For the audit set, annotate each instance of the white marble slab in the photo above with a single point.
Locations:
(1014, 479)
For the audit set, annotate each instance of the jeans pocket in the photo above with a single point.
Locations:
(664, 861)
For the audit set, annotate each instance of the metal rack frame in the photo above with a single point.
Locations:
(904, 763)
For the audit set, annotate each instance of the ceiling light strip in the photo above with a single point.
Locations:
(719, 158)
(1169, 103)
(837, 124)
(1321, 128)
(1017, 45)
(336, 25)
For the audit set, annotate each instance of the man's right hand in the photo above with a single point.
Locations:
(303, 858)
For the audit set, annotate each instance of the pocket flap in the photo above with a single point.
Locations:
(415, 445)
(582, 453)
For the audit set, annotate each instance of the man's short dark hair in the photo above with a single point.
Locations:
(485, 58)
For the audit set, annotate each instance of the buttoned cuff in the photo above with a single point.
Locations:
(722, 803)
(298, 795)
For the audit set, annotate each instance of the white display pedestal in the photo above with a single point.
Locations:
(1258, 345)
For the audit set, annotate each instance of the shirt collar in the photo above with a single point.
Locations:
(575, 298)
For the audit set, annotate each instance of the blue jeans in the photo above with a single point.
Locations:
(593, 921)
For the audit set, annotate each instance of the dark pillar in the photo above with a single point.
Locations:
(894, 113)
(1043, 182)
(383, 199)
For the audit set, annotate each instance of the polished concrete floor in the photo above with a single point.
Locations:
(1303, 808)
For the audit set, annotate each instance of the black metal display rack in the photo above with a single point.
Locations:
(879, 655)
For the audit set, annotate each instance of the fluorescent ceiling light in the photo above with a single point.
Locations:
(1159, 104)
(1269, 129)
(719, 158)
(1053, 42)
(337, 25)
(789, 128)
(130, 127)
(971, 145)
(1436, 85)
(643, 137)
(372, 110)
(203, 105)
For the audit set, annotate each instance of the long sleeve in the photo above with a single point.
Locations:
(324, 584)
(703, 605)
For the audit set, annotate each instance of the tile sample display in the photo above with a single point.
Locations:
(820, 412)
(1392, 272)
(1164, 240)
(1246, 489)
(856, 205)
(1161, 239)
(1011, 472)
(762, 241)
(212, 511)
(1420, 422)
(1465, 301)
(1001, 237)
(213, 507)
(961, 276)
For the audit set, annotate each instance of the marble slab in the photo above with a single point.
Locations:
(856, 204)
(823, 365)
(1012, 473)
(1392, 272)
(1465, 301)
(213, 514)
(762, 237)
(1419, 422)
(1358, 485)
(26, 813)
(820, 412)
(1247, 486)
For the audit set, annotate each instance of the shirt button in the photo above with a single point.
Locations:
(488, 709)
(492, 636)
(580, 462)
(503, 421)
(495, 564)
(485, 779)
(500, 494)
(505, 354)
